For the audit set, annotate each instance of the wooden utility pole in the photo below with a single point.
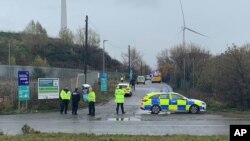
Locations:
(129, 67)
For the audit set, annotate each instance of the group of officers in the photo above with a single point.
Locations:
(75, 97)
(66, 96)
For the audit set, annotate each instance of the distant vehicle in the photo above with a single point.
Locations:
(156, 77)
(126, 88)
(148, 77)
(140, 80)
(171, 101)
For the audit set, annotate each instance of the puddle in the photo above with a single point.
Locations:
(124, 119)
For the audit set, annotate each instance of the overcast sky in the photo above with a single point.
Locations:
(148, 25)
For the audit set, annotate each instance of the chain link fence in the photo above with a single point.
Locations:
(71, 78)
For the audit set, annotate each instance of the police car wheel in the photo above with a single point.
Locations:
(155, 109)
(194, 109)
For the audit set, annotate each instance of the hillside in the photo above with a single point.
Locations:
(27, 49)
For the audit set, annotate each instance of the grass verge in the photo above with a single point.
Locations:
(92, 137)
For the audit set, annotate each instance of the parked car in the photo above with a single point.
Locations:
(171, 101)
(140, 80)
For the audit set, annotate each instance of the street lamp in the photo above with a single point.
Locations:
(9, 61)
(103, 56)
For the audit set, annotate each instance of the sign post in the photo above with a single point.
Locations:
(23, 87)
(104, 82)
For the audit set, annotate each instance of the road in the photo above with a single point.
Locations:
(135, 121)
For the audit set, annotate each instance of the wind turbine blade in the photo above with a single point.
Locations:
(196, 32)
(183, 17)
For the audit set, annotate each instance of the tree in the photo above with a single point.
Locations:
(40, 62)
(66, 36)
(135, 60)
(79, 37)
(93, 37)
(193, 58)
(13, 60)
(34, 36)
(233, 77)
(165, 65)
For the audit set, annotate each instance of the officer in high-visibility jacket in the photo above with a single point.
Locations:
(121, 79)
(119, 99)
(91, 100)
(65, 96)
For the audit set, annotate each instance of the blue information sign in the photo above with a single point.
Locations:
(23, 78)
(131, 75)
(23, 93)
(23, 86)
(104, 82)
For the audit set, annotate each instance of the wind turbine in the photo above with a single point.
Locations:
(183, 41)
(186, 28)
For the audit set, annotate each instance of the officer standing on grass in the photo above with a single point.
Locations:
(65, 98)
(91, 100)
(119, 99)
(75, 101)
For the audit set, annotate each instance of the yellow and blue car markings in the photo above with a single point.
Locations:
(169, 104)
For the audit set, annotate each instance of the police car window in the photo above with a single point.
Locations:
(175, 96)
(164, 96)
(123, 86)
(155, 96)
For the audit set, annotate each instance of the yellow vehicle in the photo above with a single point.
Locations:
(126, 88)
(171, 101)
(156, 77)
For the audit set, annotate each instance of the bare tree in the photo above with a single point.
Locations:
(190, 60)
(135, 60)
(93, 37)
(66, 35)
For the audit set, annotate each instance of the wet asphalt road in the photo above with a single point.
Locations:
(135, 121)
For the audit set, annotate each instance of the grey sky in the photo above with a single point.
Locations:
(148, 25)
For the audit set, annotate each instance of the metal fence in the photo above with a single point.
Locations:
(71, 78)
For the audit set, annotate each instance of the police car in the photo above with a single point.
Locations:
(126, 87)
(171, 101)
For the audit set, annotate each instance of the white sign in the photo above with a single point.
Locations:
(48, 88)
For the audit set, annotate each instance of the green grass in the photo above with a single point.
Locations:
(215, 108)
(92, 137)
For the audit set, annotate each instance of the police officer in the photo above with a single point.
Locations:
(122, 79)
(132, 82)
(65, 98)
(91, 100)
(75, 101)
(119, 99)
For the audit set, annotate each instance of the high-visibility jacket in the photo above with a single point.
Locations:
(91, 96)
(122, 78)
(119, 95)
(65, 95)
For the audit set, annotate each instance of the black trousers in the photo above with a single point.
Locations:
(74, 108)
(92, 108)
(64, 106)
(133, 87)
(117, 108)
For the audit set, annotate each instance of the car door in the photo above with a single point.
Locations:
(155, 100)
(164, 101)
(177, 102)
